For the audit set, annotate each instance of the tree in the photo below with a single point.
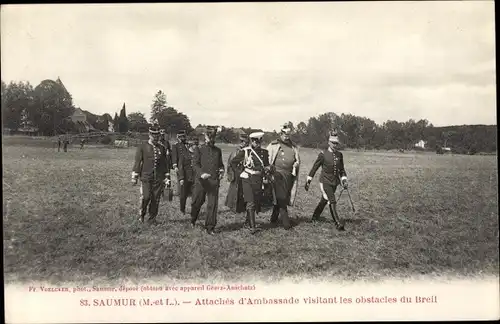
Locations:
(158, 106)
(52, 105)
(173, 121)
(17, 101)
(116, 123)
(138, 122)
(123, 124)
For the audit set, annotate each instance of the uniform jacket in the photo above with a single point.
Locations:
(186, 171)
(177, 149)
(207, 159)
(332, 164)
(273, 149)
(252, 162)
(151, 162)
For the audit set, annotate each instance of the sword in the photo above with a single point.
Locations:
(353, 210)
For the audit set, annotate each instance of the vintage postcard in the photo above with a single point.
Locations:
(250, 162)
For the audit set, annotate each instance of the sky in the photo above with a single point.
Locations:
(263, 64)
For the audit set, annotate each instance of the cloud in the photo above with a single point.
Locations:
(261, 64)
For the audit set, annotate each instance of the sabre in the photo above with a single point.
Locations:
(350, 200)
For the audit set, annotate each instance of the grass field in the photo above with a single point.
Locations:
(71, 217)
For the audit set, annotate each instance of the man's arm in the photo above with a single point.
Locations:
(316, 165)
(137, 168)
(175, 155)
(221, 165)
(197, 161)
(237, 159)
(342, 173)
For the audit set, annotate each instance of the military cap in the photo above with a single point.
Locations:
(256, 135)
(154, 130)
(211, 131)
(181, 133)
(334, 138)
(286, 129)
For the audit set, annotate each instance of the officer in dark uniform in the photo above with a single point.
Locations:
(332, 174)
(234, 198)
(152, 166)
(186, 172)
(181, 143)
(256, 165)
(164, 141)
(209, 169)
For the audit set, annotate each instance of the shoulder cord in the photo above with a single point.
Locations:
(249, 161)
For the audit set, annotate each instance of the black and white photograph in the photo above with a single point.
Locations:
(281, 161)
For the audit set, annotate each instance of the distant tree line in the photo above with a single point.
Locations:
(47, 109)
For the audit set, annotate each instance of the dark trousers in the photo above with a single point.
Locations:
(209, 190)
(185, 191)
(151, 191)
(252, 194)
(282, 188)
(327, 190)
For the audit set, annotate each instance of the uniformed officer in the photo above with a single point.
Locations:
(284, 156)
(234, 198)
(186, 172)
(332, 174)
(178, 146)
(181, 143)
(168, 150)
(59, 142)
(152, 166)
(209, 169)
(256, 165)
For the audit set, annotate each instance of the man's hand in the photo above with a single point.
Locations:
(205, 176)
(181, 182)
(344, 182)
(221, 174)
(308, 183)
(167, 182)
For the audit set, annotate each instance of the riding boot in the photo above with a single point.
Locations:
(336, 219)
(247, 219)
(251, 219)
(319, 209)
(275, 214)
(285, 219)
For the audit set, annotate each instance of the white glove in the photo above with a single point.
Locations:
(344, 181)
(221, 173)
(181, 182)
(309, 178)
(167, 182)
(205, 176)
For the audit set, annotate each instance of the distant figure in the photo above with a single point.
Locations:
(59, 143)
(65, 145)
(82, 143)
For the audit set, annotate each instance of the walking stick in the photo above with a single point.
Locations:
(353, 210)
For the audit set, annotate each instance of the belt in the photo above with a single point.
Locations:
(252, 171)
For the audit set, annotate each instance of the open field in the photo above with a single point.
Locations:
(71, 217)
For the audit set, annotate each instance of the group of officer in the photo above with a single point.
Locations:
(252, 172)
